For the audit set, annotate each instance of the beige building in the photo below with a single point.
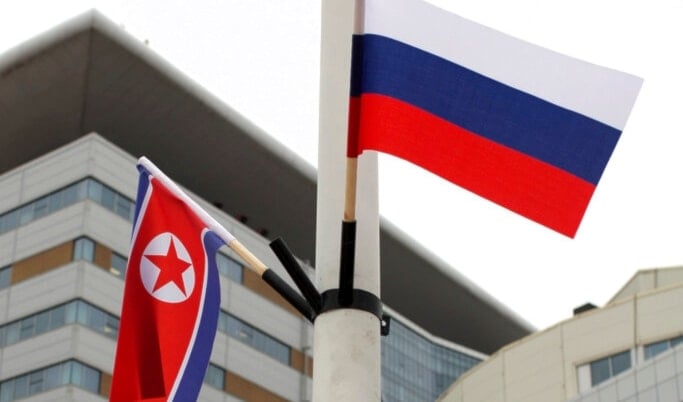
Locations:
(624, 351)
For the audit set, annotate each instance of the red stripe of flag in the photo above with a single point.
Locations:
(525, 185)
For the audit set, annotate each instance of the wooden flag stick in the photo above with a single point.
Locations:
(274, 280)
(252, 261)
(350, 194)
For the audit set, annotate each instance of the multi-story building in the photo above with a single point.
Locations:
(626, 351)
(78, 104)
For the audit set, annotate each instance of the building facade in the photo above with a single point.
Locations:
(66, 204)
(627, 350)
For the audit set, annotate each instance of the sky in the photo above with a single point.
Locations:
(262, 59)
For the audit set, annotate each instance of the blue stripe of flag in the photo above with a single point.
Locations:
(195, 370)
(568, 140)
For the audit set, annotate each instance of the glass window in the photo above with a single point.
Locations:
(215, 376)
(416, 369)
(25, 214)
(5, 277)
(94, 190)
(42, 322)
(69, 196)
(57, 317)
(12, 335)
(40, 208)
(118, 265)
(10, 221)
(7, 391)
(81, 312)
(654, 349)
(54, 201)
(53, 377)
(254, 337)
(21, 387)
(33, 325)
(96, 319)
(84, 249)
(609, 366)
(599, 371)
(71, 311)
(108, 198)
(35, 382)
(229, 267)
(111, 326)
(87, 188)
(45, 379)
(85, 377)
(620, 362)
(123, 207)
(26, 326)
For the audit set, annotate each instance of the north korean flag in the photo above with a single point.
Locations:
(171, 298)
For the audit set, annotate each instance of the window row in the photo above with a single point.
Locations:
(653, 349)
(254, 337)
(90, 316)
(70, 372)
(84, 249)
(75, 311)
(87, 188)
(73, 372)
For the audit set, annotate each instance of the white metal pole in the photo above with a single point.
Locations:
(347, 363)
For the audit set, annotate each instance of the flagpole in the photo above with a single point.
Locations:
(347, 364)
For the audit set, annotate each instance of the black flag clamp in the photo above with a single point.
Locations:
(313, 303)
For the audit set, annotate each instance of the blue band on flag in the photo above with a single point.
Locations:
(195, 370)
(565, 139)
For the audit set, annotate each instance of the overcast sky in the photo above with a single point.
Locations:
(262, 58)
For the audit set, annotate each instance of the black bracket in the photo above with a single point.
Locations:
(361, 300)
(313, 303)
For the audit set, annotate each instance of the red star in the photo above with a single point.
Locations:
(171, 268)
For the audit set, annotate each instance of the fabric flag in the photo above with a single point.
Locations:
(520, 125)
(171, 298)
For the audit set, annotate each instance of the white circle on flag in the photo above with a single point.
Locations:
(166, 260)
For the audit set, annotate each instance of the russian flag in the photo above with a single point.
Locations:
(171, 295)
(520, 125)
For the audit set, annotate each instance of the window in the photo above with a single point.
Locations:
(229, 267)
(5, 277)
(414, 368)
(110, 199)
(45, 379)
(87, 188)
(656, 348)
(118, 265)
(253, 337)
(215, 376)
(84, 249)
(76, 311)
(653, 349)
(606, 368)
